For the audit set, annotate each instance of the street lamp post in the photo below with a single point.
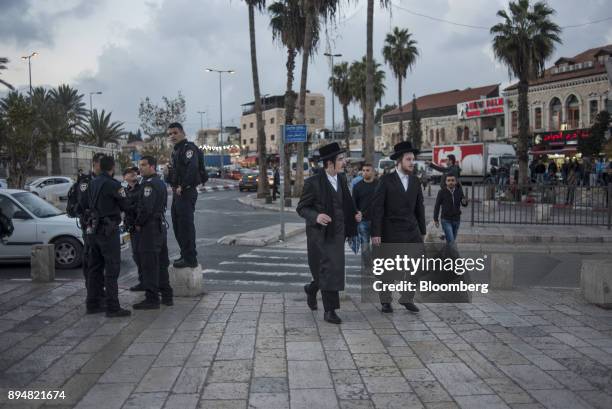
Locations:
(220, 72)
(29, 58)
(331, 55)
(91, 100)
(201, 118)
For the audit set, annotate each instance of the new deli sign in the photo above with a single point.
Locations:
(480, 108)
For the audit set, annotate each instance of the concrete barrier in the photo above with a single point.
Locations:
(186, 282)
(502, 271)
(596, 282)
(43, 263)
(542, 212)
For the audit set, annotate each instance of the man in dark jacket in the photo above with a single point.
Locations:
(132, 190)
(450, 199)
(331, 217)
(451, 169)
(398, 215)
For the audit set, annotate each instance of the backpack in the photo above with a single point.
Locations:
(202, 167)
(6, 226)
(73, 206)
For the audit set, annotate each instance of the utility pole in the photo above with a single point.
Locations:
(29, 58)
(331, 55)
(220, 72)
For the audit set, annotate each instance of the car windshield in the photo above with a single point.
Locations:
(36, 205)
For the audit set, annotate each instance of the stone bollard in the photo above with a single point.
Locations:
(186, 282)
(596, 282)
(502, 271)
(542, 212)
(43, 263)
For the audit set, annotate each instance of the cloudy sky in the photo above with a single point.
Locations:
(133, 49)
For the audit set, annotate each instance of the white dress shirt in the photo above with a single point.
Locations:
(403, 177)
(333, 180)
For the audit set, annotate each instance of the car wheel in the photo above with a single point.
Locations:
(68, 252)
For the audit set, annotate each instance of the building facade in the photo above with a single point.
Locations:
(274, 116)
(442, 122)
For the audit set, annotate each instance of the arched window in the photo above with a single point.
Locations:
(437, 137)
(573, 112)
(459, 133)
(466, 134)
(555, 114)
(442, 137)
(431, 137)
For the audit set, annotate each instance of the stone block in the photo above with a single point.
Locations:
(502, 270)
(542, 212)
(186, 282)
(596, 282)
(43, 263)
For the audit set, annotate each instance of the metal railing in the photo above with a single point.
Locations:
(541, 204)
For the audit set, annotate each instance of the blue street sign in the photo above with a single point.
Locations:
(295, 133)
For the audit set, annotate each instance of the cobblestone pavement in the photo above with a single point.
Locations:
(531, 348)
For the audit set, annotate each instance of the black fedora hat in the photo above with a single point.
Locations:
(403, 147)
(329, 151)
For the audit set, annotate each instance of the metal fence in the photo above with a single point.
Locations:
(541, 204)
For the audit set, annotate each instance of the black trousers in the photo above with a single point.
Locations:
(104, 267)
(155, 273)
(331, 299)
(85, 262)
(182, 210)
(134, 239)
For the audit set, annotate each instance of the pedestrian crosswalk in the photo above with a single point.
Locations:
(279, 268)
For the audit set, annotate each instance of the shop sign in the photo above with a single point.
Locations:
(480, 107)
(562, 137)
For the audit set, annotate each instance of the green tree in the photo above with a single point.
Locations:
(124, 160)
(3, 62)
(100, 130)
(383, 110)
(340, 84)
(154, 118)
(593, 145)
(400, 53)
(21, 143)
(134, 136)
(415, 133)
(523, 41)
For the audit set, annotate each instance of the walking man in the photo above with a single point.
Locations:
(450, 199)
(130, 176)
(184, 178)
(327, 206)
(152, 245)
(398, 215)
(363, 194)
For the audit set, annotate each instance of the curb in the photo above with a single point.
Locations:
(216, 188)
(249, 201)
(242, 239)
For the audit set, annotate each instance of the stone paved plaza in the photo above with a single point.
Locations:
(529, 348)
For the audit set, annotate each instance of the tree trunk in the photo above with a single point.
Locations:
(523, 137)
(301, 118)
(363, 131)
(289, 113)
(347, 129)
(399, 104)
(369, 102)
(262, 185)
(55, 158)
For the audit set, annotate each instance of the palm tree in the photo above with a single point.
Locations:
(357, 79)
(3, 62)
(99, 129)
(400, 52)
(262, 186)
(340, 84)
(370, 99)
(523, 41)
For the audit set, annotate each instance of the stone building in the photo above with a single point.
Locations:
(273, 108)
(442, 122)
(563, 102)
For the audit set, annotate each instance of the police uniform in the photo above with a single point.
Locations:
(133, 195)
(107, 198)
(152, 244)
(82, 184)
(185, 173)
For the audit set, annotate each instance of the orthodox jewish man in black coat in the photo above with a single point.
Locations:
(331, 217)
(398, 215)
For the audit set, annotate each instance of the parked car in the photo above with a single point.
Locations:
(248, 181)
(57, 185)
(38, 222)
(3, 184)
(213, 172)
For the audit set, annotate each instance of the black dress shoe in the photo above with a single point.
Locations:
(386, 307)
(410, 306)
(95, 310)
(311, 299)
(331, 317)
(184, 264)
(146, 305)
(167, 301)
(137, 287)
(118, 313)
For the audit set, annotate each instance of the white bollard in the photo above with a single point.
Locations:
(43, 263)
(542, 212)
(596, 282)
(502, 271)
(186, 282)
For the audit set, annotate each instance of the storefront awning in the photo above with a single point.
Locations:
(564, 150)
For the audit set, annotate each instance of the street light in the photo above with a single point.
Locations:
(220, 72)
(29, 58)
(91, 100)
(330, 55)
(201, 120)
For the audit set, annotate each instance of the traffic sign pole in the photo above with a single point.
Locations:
(281, 150)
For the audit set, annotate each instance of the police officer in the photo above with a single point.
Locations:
(107, 198)
(152, 244)
(133, 188)
(184, 177)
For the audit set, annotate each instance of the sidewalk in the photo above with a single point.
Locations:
(532, 348)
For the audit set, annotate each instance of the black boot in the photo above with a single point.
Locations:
(311, 299)
(146, 305)
(137, 287)
(331, 317)
(95, 310)
(118, 313)
(167, 301)
(410, 306)
(386, 307)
